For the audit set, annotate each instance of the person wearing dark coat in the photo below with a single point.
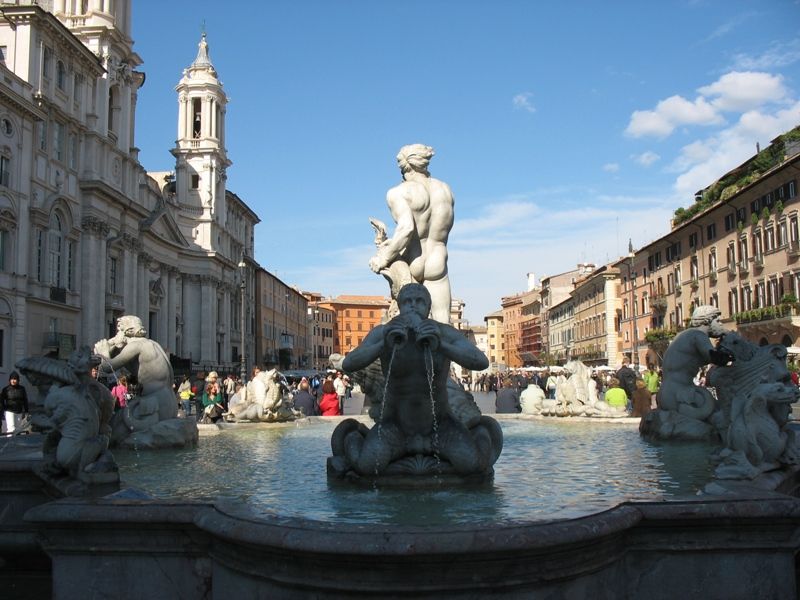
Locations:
(507, 400)
(304, 401)
(13, 403)
(627, 378)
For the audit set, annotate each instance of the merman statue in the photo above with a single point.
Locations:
(417, 431)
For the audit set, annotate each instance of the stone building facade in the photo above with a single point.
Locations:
(86, 234)
(739, 254)
(355, 317)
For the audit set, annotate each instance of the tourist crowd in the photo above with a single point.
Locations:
(625, 388)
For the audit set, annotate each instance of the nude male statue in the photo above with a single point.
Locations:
(422, 208)
(153, 370)
(413, 347)
(689, 351)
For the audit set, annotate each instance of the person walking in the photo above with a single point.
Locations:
(14, 403)
(340, 385)
(186, 395)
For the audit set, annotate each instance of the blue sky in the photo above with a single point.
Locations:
(563, 128)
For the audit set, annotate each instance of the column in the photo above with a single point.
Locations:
(164, 311)
(171, 308)
(143, 289)
(208, 330)
(182, 103)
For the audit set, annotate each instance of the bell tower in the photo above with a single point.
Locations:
(201, 160)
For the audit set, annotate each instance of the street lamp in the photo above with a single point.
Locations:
(286, 328)
(634, 349)
(243, 289)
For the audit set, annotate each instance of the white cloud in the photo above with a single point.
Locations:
(703, 162)
(557, 232)
(740, 91)
(523, 102)
(779, 54)
(611, 167)
(647, 158)
(669, 114)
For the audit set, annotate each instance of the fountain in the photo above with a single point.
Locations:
(418, 438)
(262, 401)
(740, 543)
(150, 419)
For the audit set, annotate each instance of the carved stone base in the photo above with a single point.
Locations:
(669, 425)
(424, 478)
(171, 433)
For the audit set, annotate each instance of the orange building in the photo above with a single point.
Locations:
(355, 317)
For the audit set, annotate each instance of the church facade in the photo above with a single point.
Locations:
(86, 234)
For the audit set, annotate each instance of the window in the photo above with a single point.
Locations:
(674, 252)
(782, 234)
(46, 60)
(3, 54)
(4, 249)
(59, 141)
(70, 265)
(196, 117)
(769, 239)
(772, 292)
(113, 109)
(61, 75)
(54, 242)
(195, 182)
(73, 151)
(77, 87)
(112, 275)
(5, 171)
(711, 232)
(712, 261)
(730, 222)
(747, 298)
(755, 206)
(743, 249)
(741, 215)
(733, 302)
(43, 136)
(791, 190)
(39, 253)
(693, 240)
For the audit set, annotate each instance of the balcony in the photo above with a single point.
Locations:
(767, 313)
(744, 266)
(658, 302)
(64, 342)
(695, 283)
(758, 260)
(58, 294)
(712, 276)
(794, 248)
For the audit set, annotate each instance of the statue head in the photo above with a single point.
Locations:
(414, 298)
(414, 157)
(131, 326)
(707, 316)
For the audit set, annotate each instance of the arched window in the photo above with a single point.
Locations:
(54, 249)
(113, 108)
(61, 75)
(56, 253)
